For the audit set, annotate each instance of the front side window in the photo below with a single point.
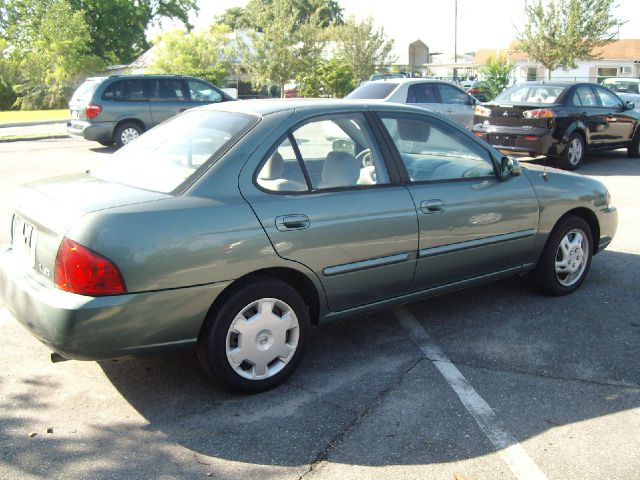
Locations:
(168, 89)
(452, 95)
(169, 154)
(434, 151)
(201, 92)
(331, 152)
(607, 98)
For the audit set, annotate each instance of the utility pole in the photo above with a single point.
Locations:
(455, 39)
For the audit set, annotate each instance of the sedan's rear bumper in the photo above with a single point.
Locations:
(91, 328)
(520, 141)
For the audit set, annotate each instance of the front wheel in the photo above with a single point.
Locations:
(566, 257)
(257, 337)
(574, 152)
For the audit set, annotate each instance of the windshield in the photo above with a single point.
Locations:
(84, 92)
(545, 94)
(373, 91)
(167, 155)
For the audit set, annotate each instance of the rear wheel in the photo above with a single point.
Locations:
(633, 150)
(257, 337)
(126, 133)
(566, 257)
(574, 152)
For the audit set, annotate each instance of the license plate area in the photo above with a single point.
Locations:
(503, 140)
(75, 114)
(24, 238)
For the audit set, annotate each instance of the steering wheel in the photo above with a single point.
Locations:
(365, 158)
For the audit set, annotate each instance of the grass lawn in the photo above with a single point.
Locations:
(33, 116)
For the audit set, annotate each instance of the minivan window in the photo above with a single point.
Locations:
(167, 155)
(373, 91)
(125, 90)
(84, 92)
(168, 89)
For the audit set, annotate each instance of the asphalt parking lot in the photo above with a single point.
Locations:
(494, 382)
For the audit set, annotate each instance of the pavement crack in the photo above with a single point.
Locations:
(332, 443)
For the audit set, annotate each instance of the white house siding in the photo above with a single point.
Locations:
(588, 71)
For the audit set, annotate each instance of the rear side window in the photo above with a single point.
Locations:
(125, 90)
(85, 91)
(168, 89)
(373, 91)
(422, 93)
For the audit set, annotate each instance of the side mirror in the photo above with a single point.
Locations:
(629, 105)
(509, 167)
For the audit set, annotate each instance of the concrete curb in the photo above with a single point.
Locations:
(32, 124)
(38, 137)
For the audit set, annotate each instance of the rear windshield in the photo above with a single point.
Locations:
(545, 94)
(622, 86)
(373, 91)
(171, 153)
(84, 92)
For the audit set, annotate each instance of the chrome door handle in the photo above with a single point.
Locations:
(292, 222)
(432, 206)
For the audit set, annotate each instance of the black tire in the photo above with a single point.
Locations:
(633, 150)
(551, 278)
(105, 143)
(126, 132)
(574, 152)
(221, 334)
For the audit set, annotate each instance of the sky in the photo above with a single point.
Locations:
(481, 23)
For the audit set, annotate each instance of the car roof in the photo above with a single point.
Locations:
(261, 107)
(411, 80)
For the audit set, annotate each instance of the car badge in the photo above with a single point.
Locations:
(505, 114)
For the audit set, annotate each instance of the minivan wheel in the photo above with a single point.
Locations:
(126, 133)
(566, 257)
(257, 337)
(574, 152)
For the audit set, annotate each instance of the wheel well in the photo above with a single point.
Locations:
(296, 280)
(591, 219)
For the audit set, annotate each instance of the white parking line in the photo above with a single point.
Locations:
(522, 466)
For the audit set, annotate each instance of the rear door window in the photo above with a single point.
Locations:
(423, 93)
(584, 97)
(125, 90)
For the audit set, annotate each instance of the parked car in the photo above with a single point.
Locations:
(435, 95)
(560, 120)
(233, 227)
(479, 90)
(119, 108)
(627, 88)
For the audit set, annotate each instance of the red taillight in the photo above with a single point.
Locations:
(82, 271)
(474, 90)
(478, 134)
(530, 137)
(539, 113)
(482, 111)
(93, 111)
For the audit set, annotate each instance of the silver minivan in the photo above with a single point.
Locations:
(435, 95)
(117, 109)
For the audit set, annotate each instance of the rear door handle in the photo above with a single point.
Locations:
(432, 206)
(292, 222)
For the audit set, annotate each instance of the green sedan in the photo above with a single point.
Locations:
(233, 228)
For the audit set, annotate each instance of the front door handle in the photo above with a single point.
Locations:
(292, 222)
(432, 206)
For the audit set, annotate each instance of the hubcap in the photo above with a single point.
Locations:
(571, 257)
(262, 339)
(128, 135)
(575, 151)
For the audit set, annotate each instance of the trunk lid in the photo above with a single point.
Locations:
(46, 210)
(511, 115)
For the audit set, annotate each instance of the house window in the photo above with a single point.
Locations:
(532, 74)
(605, 72)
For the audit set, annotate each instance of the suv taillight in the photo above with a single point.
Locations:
(83, 271)
(93, 111)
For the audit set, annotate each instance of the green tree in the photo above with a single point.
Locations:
(497, 74)
(283, 48)
(206, 55)
(333, 78)
(7, 78)
(566, 31)
(117, 27)
(51, 54)
(363, 47)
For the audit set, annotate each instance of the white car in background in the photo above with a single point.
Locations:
(436, 95)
